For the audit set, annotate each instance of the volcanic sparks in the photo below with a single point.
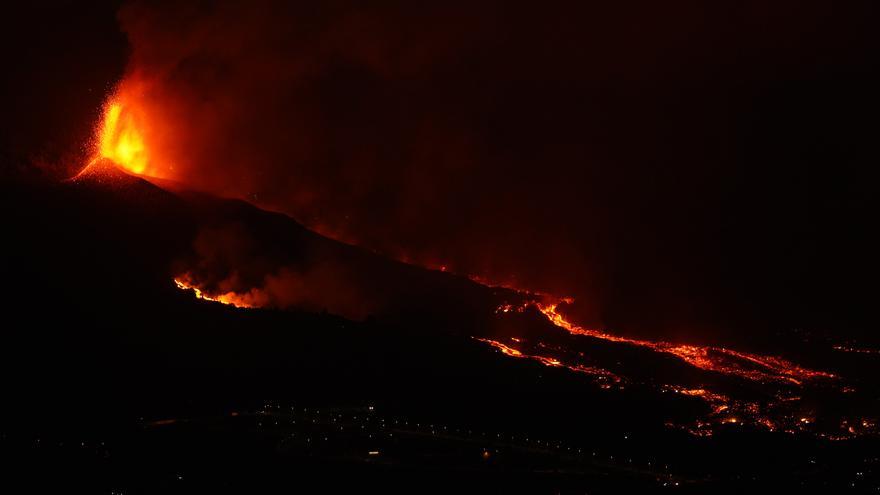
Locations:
(122, 138)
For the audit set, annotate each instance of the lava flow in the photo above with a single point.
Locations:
(229, 298)
(780, 403)
(604, 377)
(718, 359)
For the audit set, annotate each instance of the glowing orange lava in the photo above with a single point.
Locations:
(121, 138)
(780, 406)
(603, 375)
(230, 298)
(125, 138)
(711, 358)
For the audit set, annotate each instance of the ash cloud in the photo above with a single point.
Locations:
(625, 155)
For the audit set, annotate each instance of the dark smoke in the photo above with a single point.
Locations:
(229, 259)
(663, 162)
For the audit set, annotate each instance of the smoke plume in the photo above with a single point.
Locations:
(622, 155)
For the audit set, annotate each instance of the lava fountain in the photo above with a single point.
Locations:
(121, 138)
(125, 138)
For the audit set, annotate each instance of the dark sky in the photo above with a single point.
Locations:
(677, 166)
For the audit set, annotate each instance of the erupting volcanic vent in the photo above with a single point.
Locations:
(121, 139)
(125, 137)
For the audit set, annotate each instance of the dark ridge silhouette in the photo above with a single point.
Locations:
(100, 344)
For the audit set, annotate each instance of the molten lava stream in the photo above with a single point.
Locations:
(605, 377)
(229, 298)
(752, 367)
(781, 409)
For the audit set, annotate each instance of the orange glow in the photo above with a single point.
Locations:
(126, 136)
(230, 298)
(121, 138)
(602, 374)
(781, 409)
(718, 359)
(503, 348)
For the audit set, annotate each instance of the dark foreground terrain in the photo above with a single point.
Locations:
(116, 381)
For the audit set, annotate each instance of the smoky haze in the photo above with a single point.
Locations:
(663, 163)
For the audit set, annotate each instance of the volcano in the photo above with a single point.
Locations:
(128, 311)
(340, 246)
